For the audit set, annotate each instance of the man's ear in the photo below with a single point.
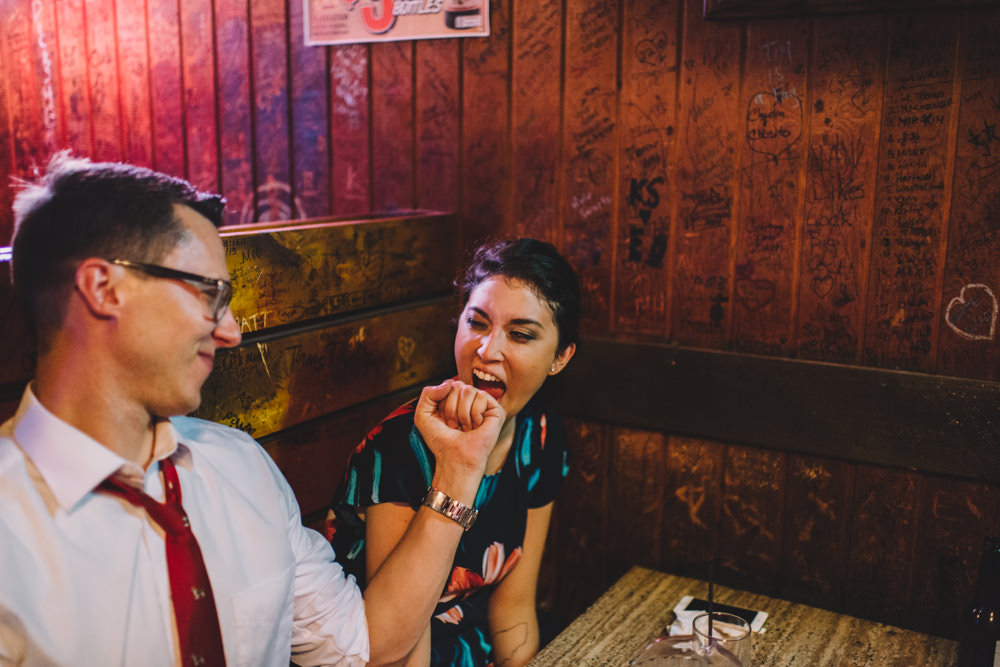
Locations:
(562, 359)
(97, 282)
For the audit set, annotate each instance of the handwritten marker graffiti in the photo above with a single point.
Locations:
(973, 313)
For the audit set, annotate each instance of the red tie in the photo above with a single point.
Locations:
(190, 589)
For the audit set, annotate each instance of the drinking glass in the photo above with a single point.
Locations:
(728, 646)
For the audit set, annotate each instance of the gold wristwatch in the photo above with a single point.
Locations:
(443, 503)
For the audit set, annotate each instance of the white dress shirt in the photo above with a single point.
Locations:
(83, 575)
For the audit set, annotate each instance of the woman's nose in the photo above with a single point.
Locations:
(489, 346)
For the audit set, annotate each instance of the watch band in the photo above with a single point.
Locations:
(441, 502)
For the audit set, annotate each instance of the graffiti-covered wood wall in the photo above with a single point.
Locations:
(821, 188)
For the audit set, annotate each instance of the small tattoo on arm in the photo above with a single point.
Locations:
(518, 638)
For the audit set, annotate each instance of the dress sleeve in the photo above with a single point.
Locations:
(392, 464)
(549, 442)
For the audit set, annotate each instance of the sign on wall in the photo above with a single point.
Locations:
(354, 21)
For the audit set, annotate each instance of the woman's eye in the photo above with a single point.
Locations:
(522, 336)
(473, 323)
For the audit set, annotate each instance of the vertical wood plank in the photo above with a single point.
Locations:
(535, 124)
(968, 345)
(753, 511)
(350, 125)
(908, 233)
(310, 100)
(882, 545)
(437, 124)
(198, 67)
(845, 102)
(637, 472)
(236, 136)
(165, 80)
(392, 125)
(708, 149)
(648, 102)
(589, 126)
(956, 517)
(6, 159)
(774, 91)
(74, 98)
(274, 198)
(30, 86)
(815, 531)
(583, 519)
(485, 175)
(133, 54)
(692, 503)
(102, 68)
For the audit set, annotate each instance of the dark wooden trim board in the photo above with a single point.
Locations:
(931, 423)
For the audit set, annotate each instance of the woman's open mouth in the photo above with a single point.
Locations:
(489, 383)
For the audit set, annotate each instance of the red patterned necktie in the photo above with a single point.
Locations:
(190, 589)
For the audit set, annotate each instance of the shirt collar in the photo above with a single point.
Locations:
(72, 463)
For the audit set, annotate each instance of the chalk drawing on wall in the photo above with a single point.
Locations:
(973, 313)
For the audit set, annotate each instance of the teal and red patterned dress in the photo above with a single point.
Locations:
(392, 464)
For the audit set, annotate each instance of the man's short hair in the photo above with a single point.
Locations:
(80, 209)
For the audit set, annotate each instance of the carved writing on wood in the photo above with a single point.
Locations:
(262, 387)
(296, 274)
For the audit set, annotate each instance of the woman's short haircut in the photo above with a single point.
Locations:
(80, 209)
(537, 264)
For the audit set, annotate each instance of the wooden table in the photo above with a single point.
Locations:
(640, 605)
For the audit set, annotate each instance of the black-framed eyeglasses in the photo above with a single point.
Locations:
(219, 291)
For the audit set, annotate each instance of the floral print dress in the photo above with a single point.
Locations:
(392, 464)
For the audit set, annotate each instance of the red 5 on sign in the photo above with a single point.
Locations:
(380, 22)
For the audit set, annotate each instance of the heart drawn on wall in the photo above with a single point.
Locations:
(973, 313)
(754, 293)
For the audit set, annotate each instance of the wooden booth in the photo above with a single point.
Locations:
(786, 225)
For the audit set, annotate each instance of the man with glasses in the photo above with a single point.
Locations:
(131, 535)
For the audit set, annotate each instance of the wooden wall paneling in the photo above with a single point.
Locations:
(30, 82)
(692, 503)
(536, 64)
(588, 171)
(313, 457)
(271, 383)
(485, 175)
(846, 74)
(956, 517)
(648, 103)
(74, 86)
(392, 126)
(167, 114)
(909, 226)
(437, 124)
(288, 276)
(882, 543)
(350, 125)
(636, 475)
(198, 76)
(236, 132)
(274, 198)
(968, 343)
(774, 92)
(6, 144)
(814, 538)
(310, 101)
(753, 515)
(582, 519)
(102, 70)
(709, 142)
(133, 72)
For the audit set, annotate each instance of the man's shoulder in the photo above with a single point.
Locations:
(195, 430)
